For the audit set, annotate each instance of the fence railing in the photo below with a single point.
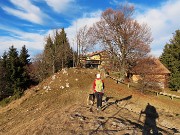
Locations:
(172, 96)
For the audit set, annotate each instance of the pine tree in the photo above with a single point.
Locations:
(58, 50)
(24, 56)
(58, 54)
(14, 73)
(24, 63)
(10, 76)
(171, 59)
(15, 68)
(49, 56)
(67, 53)
(6, 89)
(2, 79)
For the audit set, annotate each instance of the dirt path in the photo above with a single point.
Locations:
(80, 119)
(64, 111)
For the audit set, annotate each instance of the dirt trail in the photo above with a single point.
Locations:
(50, 109)
(78, 119)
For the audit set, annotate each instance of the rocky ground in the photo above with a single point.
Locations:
(58, 106)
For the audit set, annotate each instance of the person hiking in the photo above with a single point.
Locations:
(98, 87)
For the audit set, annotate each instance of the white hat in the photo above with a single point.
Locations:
(98, 76)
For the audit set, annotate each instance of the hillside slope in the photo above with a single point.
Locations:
(58, 106)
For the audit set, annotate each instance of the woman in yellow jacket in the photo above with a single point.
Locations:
(98, 87)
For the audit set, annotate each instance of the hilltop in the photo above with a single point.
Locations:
(58, 106)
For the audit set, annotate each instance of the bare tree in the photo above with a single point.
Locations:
(85, 42)
(122, 36)
(39, 69)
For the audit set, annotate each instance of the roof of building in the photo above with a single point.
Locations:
(150, 66)
(95, 53)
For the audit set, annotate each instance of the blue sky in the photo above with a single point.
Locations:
(28, 22)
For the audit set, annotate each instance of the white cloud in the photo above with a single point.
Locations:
(88, 19)
(59, 5)
(34, 42)
(26, 11)
(32, 45)
(163, 21)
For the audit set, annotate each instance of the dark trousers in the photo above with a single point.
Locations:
(99, 98)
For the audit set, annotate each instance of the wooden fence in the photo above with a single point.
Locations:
(156, 92)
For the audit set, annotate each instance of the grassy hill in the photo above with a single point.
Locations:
(58, 106)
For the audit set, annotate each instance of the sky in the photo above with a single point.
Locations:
(29, 22)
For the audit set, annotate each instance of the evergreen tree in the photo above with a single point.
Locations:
(14, 73)
(24, 56)
(49, 56)
(171, 59)
(15, 68)
(58, 54)
(24, 63)
(5, 73)
(67, 51)
(10, 77)
(2, 79)
(58, 51)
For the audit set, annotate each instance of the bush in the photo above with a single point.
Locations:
(9, 99)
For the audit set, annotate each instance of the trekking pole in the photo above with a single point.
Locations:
(140, 116)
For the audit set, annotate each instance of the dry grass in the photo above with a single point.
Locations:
(40, 107)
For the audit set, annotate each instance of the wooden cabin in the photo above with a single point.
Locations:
(152, 68)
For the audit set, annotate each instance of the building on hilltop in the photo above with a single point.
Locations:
(152, 69)
(96, 59)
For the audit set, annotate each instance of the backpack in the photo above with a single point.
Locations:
(99, 85)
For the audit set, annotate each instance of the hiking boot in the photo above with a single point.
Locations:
(99, 108)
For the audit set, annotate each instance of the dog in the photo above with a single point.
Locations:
(104, 98)
(91, 99)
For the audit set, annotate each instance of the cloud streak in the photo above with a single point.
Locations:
(33, 41)
(26, 11)
(59, 6)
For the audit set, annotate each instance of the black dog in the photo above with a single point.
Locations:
(90, 99)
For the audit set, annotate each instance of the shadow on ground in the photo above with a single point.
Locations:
(115, 102)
